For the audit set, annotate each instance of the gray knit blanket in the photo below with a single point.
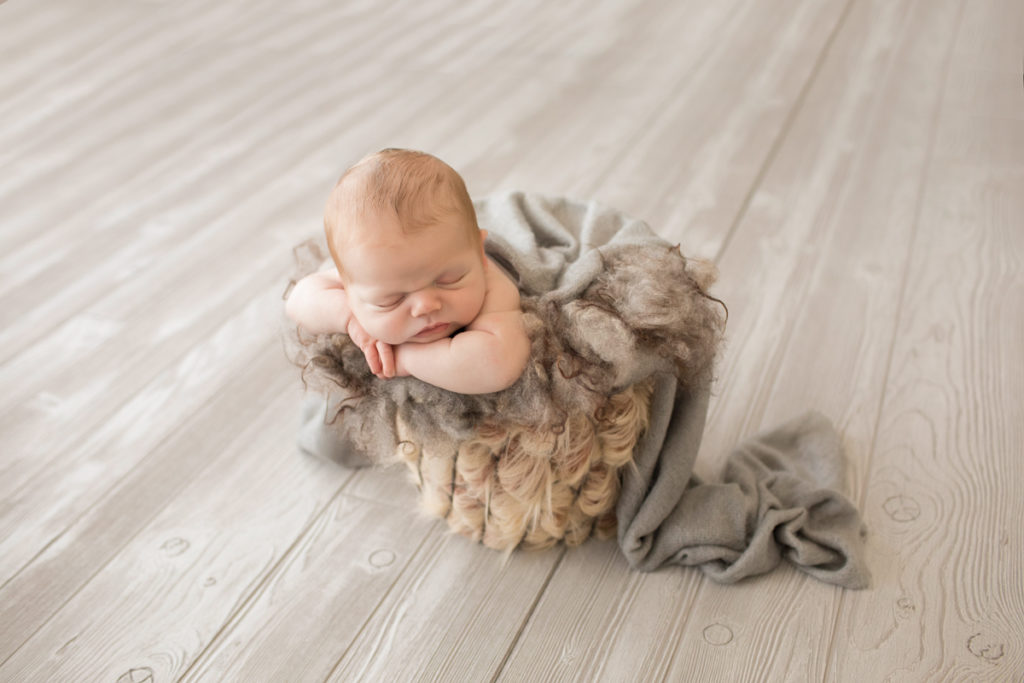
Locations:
(609, 304)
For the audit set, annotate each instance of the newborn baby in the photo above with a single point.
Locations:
(411, 285)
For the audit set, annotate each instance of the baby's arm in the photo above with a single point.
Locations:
(489, 356)
(319, 305)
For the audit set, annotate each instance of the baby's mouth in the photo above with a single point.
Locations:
(431, 329)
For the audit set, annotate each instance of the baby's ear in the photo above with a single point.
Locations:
(483, 234)
(483, 238)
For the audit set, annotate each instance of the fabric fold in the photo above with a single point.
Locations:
(777, 500)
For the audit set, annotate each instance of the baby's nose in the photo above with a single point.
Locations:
(425, 303)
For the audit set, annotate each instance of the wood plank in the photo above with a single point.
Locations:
(114, 79)
(57, 535)
(212, 80)
(41, 62)
(795, 238)
(162, 599)
(608, 85)
(54, 494)
(108, 352)
(584, 627)
(353, 555)
(453, 615)
(689, 171)
(942, 492)
(63, 125)
(391, 485)
(686, 58)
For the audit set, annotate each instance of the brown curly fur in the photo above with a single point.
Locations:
(539, 462)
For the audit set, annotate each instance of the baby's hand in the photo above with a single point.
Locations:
(379, 356)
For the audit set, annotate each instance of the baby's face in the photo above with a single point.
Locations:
(413, 288)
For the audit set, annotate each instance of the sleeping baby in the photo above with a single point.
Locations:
(410, 283)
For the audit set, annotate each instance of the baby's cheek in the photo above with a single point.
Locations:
(391, 330)
(371, 324)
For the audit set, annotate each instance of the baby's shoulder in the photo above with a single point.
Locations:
(502, 293)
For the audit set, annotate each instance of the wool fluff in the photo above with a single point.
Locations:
(541, 461)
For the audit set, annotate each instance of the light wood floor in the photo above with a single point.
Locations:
(856, 168)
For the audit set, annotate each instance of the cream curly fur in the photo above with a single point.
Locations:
(513, 485)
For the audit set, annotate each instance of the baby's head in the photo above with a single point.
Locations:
(403, 234)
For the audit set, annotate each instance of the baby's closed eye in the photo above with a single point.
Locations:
(388, 303)
(448, 281)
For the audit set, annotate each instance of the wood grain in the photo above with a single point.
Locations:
(294, 631)
(72, 531)
(453, 615)
(160, 600)
(47, 495)
(942, 491)
(715, 135)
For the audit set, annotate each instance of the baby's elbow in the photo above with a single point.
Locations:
(517, 355)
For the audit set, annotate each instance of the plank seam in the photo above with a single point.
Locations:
(433, 533)
(656, 114)
(783, 134)
(529, 615)
(257, 591)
